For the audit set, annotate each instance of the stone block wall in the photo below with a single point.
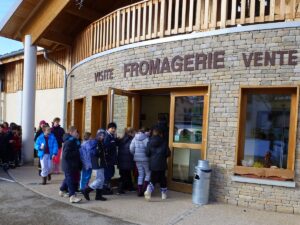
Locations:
(225, 84)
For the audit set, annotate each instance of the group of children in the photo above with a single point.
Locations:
(144, 152)
(10, 145)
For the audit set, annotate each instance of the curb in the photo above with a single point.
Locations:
(67, 203)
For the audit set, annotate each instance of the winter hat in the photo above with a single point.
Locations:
(112, 125)
(42, 122)
(101, 132)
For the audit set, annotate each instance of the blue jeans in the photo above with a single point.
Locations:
(98, 182)
(109, 172)
(85, 178)
(68, 184)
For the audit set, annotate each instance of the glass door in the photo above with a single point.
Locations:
(188, 125)
(123, 109)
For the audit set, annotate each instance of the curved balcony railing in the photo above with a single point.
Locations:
(152, 19)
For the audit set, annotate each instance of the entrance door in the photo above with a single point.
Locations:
(124, 111)
(99, 113)
(124, 107)
(187, 137)
(79, 115)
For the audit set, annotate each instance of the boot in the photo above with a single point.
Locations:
(121, 189)
(49, 177)
(74, 199)
(140, 191)
(164, 193)
(148, 192)
(44, 181)
(99, 195)
(107, 190)
(86, 192)
(146, 183)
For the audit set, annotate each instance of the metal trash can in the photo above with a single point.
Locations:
(201, 183)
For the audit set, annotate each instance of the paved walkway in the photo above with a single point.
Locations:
(178, 209)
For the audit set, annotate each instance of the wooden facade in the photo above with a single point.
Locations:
(48, 75)
(152, 19)
(143, 20)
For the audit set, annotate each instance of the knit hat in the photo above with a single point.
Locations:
(112, 125)
(42, 122)
(101, 132)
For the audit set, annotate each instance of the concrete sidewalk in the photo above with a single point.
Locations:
(178, 209)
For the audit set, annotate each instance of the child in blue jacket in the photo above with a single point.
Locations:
(47, 147)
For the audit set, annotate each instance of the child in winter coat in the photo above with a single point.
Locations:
(58, 132)
(71, 164)
(125, 162)
(98, 162)
(158, 152)
(110, 144)
(138, 149)
(47, 148)
(85, 157)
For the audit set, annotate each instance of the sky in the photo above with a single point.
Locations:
(7, 45)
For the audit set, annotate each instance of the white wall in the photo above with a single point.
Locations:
(48, 105)
(12, 107)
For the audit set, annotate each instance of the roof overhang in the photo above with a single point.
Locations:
(30, 17)
(54, 23)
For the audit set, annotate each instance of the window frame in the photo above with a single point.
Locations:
(267, 173)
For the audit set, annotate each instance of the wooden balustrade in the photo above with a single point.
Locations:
(152, 19)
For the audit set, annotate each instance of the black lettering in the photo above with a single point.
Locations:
(258, 58)
(134, 69)
(126, 69)
(165, 66)
(281, 56)
(175, 65)
(200, 59)
(270, 60)
(96, 77)
(219, 58)
(154, 66)
(144, 68)
(188, 61)
(292, 58)
(247, 60)
(209, 61)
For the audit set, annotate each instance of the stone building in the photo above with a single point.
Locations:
(223, 76)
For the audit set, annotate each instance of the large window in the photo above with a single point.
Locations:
(188, 130)
(267, 132)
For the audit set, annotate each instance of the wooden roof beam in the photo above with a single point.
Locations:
(84, 13)
(41, 20)
(58, 37)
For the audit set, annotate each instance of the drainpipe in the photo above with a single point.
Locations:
(66, 76)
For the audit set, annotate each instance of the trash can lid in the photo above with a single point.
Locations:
(203, 165)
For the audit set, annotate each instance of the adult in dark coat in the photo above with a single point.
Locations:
(158, 152)
(125, 162)
(71, 163)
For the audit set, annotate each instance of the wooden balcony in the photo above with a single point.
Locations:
(152, 19)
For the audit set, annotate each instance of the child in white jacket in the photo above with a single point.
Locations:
(138, 149)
